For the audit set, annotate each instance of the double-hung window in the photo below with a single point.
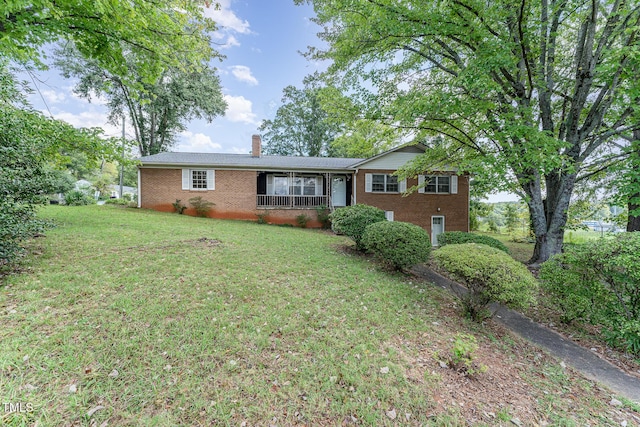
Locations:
(438, 184)
(198, 179)
(383, 183)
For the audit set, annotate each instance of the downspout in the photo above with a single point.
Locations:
(355, 187)
(139, 190)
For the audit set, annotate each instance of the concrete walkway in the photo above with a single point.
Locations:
(579, 358)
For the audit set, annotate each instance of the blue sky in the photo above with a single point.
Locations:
(261, 40)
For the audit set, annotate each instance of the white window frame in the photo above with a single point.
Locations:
(453, 184)
(188, 179)
(305, 179)
(368, 183)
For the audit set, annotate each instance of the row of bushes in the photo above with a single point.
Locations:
(484, 267)
(397, 244)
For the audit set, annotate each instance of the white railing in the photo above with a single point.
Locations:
(290, 202)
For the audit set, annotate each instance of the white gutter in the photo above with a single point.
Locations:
(139, 192)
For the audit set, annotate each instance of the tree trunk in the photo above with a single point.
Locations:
(633, 221)
(549, 216)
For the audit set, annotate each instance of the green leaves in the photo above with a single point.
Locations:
(301, 127)
(158, 111)
(28, 141)
(525, 96)
(160, 32)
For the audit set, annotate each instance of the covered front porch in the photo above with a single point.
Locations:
(296, 190)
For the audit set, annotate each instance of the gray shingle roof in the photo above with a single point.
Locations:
(246, 161)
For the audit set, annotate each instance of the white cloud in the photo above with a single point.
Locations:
(228, 24)
(53, 97)
(243, 74)
(227, 19)
(239, 110)
(197, 143)
(230, 42)
(88, 119)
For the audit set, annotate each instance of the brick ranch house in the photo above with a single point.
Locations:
(243, 186)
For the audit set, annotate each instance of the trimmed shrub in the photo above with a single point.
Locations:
(489, 275)
(597, 282)
(397, 244)
(352, 221)
(459, 237)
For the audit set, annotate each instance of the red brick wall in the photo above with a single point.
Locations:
(418, 208)
(234, 196)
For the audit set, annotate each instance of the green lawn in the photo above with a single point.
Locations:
(132, 317)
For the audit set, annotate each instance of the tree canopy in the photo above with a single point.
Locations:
(528, 95)
(160, 32)
(158, 111)
(301, 127)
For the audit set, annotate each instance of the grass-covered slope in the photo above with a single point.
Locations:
(133, 317)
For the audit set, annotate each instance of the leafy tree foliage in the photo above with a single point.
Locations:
(302, 126)
(626, 183)
(28, 143)
(106, 31)
(158, 111)
(364, 138)
(152, 35)
(527, 95)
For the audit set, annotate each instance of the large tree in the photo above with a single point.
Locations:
(158, 111)
(302, 126)
(526, 92)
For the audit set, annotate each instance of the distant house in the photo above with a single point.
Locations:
(243, 186)
(114, 191)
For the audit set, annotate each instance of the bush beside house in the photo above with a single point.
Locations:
(353, 220)
(397, 244)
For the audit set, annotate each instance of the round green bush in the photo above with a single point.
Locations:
(397, 244)
(458, 237)
(352, 221)
(78, 198)
(489, 275)
(597, 282)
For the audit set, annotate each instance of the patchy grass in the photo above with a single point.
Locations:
(131, 317)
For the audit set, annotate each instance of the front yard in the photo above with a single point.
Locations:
(132, 317)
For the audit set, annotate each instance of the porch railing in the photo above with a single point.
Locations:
(290, 202)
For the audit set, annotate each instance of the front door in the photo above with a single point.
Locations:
(339, 191)
(437, 228)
